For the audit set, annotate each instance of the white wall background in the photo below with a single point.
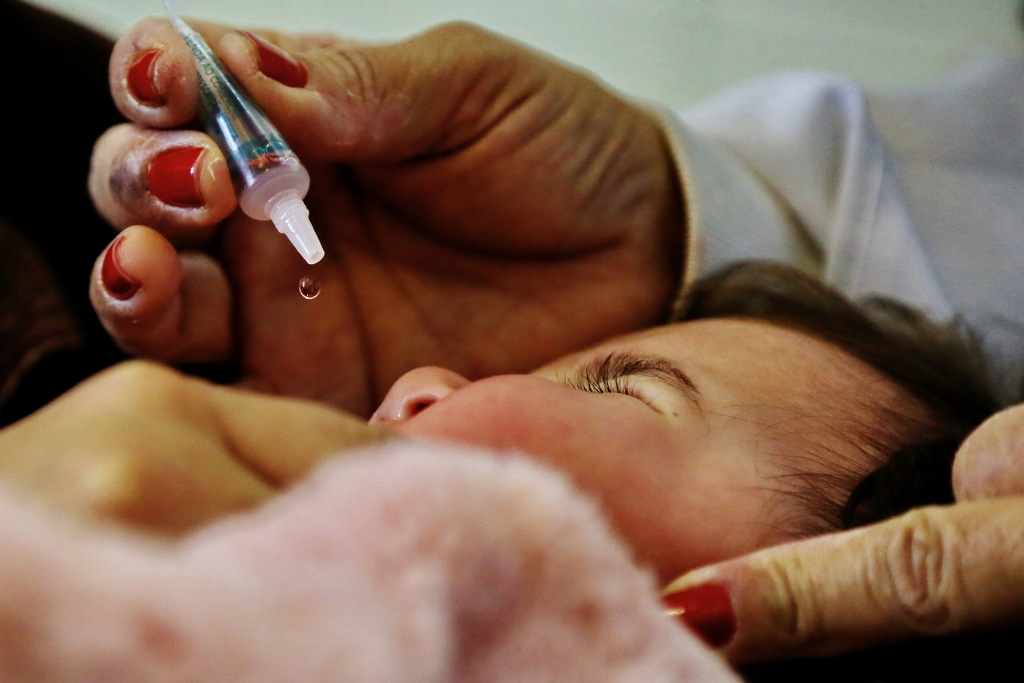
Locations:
(670, 51)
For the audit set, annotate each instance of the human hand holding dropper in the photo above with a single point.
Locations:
(482, 207)
(931, 572)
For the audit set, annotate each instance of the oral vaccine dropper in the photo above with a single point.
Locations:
(270, 180)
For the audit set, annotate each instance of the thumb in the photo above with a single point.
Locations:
(932, 571)
(988, 464)
(338, 100)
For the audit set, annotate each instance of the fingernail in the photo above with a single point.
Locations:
(140, 79)
(115, 279)
(174, 176)
(706, 609)
(276, 63)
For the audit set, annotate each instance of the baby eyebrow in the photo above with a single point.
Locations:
(617, 366)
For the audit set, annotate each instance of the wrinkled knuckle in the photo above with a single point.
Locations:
(796, 615)
(919, 572)
(357, 72)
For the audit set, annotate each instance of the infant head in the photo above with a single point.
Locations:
(724, 432)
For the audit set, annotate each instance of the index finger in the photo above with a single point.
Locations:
(932, 571)
(152, 74)
(152, 79)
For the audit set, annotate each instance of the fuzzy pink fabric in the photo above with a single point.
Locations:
(403, 563)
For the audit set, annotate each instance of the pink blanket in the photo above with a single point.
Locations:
(403, 563)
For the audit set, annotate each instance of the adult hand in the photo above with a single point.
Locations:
(147, 445)
(482, 208)
(932, 571)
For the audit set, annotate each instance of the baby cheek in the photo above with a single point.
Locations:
(493, 425)
(553, 424)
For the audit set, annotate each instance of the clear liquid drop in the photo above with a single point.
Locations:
(309, 287)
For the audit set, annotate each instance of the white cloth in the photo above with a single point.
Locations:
(916, 195)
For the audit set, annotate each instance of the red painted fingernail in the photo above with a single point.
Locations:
(174, 176)
(140, 79)
(276, 63)
(115, 279)
(706, 609)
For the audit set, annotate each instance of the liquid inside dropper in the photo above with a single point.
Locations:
(309, 287)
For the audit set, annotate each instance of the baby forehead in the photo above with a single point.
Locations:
(761, 359)
(741, 332)
(750, 341)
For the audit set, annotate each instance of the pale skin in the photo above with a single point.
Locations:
(146, 445)
(682, 435)
(551, 266)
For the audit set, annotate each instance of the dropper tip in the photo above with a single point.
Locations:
(314, 256)
(291, 217)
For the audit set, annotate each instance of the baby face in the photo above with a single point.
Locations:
(681, 432)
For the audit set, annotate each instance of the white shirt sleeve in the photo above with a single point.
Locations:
(914, 195)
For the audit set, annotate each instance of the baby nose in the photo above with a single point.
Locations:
(415, 391)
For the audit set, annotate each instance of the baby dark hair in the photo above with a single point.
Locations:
(941, 366)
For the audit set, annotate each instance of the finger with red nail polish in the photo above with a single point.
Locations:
(177, 182)
(174, 176)
(139, 271)
(118, 283)
(158, 303)
(706, 609)
(140, 79)
(275, 63)
(152, 75)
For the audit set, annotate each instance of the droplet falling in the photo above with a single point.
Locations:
(309, 287)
